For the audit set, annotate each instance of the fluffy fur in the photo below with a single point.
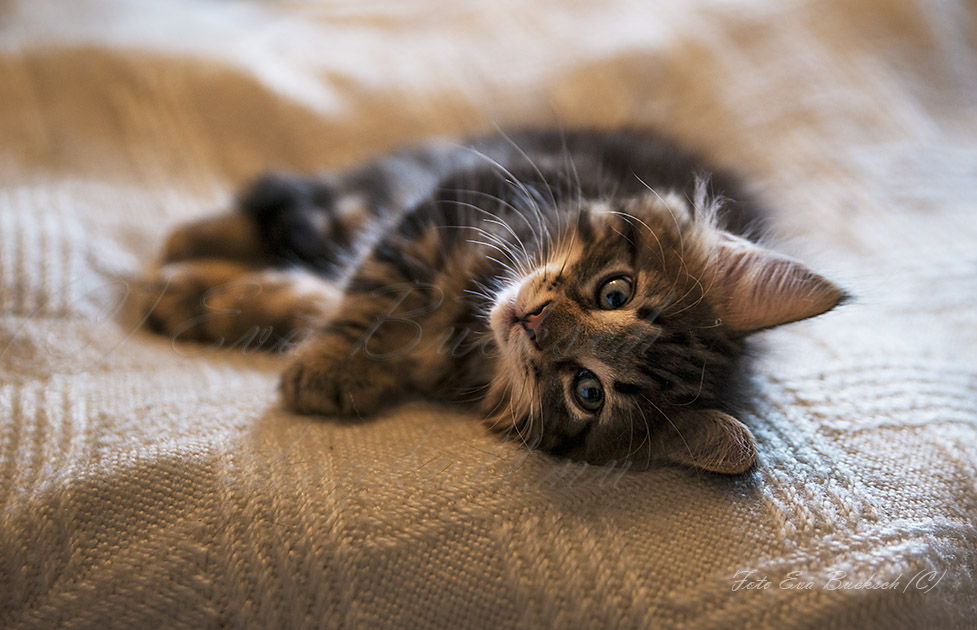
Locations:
(591, 292)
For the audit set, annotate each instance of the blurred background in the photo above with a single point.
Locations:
(144, 483)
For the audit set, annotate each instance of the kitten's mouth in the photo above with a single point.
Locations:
(504, 320)
(516, 324)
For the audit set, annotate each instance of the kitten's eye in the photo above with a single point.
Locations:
(588, 391)
(614, 293)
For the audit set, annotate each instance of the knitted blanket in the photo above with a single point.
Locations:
(151, 483)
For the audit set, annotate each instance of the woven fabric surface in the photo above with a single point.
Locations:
(152, 483)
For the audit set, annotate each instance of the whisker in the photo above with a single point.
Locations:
(671, 212)
(688, 448)
(522, 260)
(702, 379)
(512, 179)
(502, 251)
(542, 177)
(631, 217)
(498, 220)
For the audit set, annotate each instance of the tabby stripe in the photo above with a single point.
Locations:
(338, 231)
(660, 380)
(413, 225)
(362, 284)
(350, 329)
(649, 313)
(630, 234)
(566, 444)
(394, 255)
(629, 389)
(585, 229)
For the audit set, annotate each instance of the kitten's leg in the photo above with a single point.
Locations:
(364, 359)
(265, 271)
(387, 338)
(280, 220)
(216, 283)
(237, 304)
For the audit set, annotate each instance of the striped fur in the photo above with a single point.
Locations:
(471, 273)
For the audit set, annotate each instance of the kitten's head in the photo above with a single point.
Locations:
(622, 344)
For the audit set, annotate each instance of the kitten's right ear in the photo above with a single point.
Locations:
(762, 288)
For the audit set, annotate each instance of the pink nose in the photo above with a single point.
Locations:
(533, 322)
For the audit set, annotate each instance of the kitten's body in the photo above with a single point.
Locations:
(574, 286)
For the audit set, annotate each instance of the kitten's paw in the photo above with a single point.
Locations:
(324, 379)
(175, 300)
(234, 304)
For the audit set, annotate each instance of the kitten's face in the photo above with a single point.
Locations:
(603, 334)
(614, 348)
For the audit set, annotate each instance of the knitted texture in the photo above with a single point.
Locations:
(151, 483)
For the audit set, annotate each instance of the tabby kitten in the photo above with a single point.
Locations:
(590, 292)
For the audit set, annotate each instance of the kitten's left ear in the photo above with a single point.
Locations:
(714, 441)
(762, 288)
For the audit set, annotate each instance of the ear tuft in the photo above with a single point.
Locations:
(714, 441)
(762, 289)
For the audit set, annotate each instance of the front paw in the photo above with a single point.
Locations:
(174, 301)
(324, 379)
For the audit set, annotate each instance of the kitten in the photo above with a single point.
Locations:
(590, 292)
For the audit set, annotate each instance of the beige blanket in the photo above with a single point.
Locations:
(150, 484)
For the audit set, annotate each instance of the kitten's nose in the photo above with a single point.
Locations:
(533, 322)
